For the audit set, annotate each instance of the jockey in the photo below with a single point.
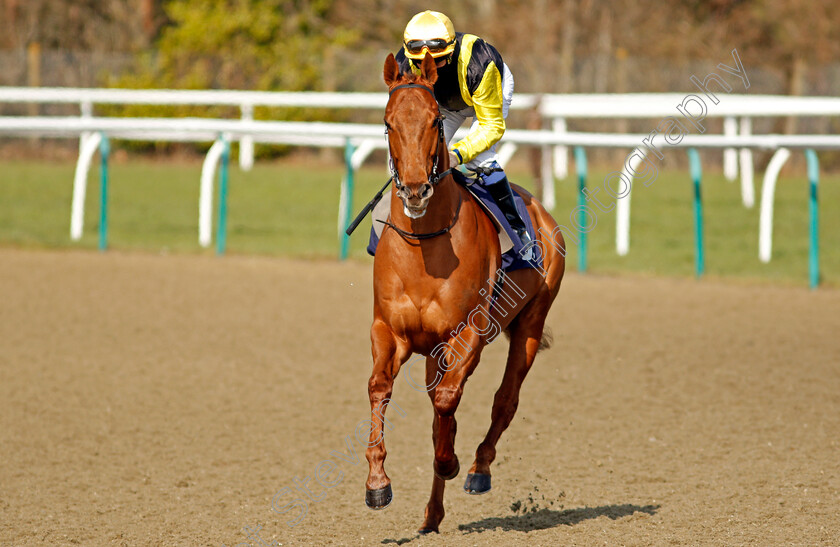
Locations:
(473, 82)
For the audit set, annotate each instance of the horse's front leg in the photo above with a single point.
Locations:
(388, 357)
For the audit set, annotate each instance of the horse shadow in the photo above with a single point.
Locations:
(544, 519)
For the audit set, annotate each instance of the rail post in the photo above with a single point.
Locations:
(768, 195)
(580, 165)
(205, 195)
(696, 176)
(813, 209)
(104, 151)
(90, 144)
(345, 205)
(221, 234)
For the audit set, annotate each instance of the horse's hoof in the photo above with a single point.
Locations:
(477, 484)
(450, 475)
(379, 498)
(427, 531)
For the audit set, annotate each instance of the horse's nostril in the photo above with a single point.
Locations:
(426, 191)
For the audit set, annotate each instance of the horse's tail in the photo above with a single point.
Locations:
(546, 339)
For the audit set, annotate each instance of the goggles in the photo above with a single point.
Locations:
(435, 45)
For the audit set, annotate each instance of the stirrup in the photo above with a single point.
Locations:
(529, 254)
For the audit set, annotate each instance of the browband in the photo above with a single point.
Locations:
(421, 86)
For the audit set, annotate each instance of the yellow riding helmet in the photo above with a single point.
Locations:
(429, 30)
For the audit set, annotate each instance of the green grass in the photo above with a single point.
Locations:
(290, 208)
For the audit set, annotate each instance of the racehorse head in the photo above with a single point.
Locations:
(414, 127)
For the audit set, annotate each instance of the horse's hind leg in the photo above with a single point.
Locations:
(525, 334)
(445, 398)
(434, 509)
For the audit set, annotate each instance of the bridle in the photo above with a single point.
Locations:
(434, 177)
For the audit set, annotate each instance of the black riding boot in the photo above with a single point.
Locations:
(503, 195)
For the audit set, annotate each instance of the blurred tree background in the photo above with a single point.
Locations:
(560, 46)
(552, 46)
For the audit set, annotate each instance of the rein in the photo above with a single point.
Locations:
(429, 235)
(434, 177)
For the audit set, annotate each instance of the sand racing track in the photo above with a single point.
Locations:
(165, 400)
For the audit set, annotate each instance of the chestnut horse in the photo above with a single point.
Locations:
(433, 273)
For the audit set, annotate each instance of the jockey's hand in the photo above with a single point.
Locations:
(453, 159)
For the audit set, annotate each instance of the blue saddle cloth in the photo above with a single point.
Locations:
(512, 259)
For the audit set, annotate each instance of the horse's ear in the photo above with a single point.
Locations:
(392, 70)
(428, 69)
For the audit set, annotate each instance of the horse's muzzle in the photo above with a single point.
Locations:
(415, 199)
